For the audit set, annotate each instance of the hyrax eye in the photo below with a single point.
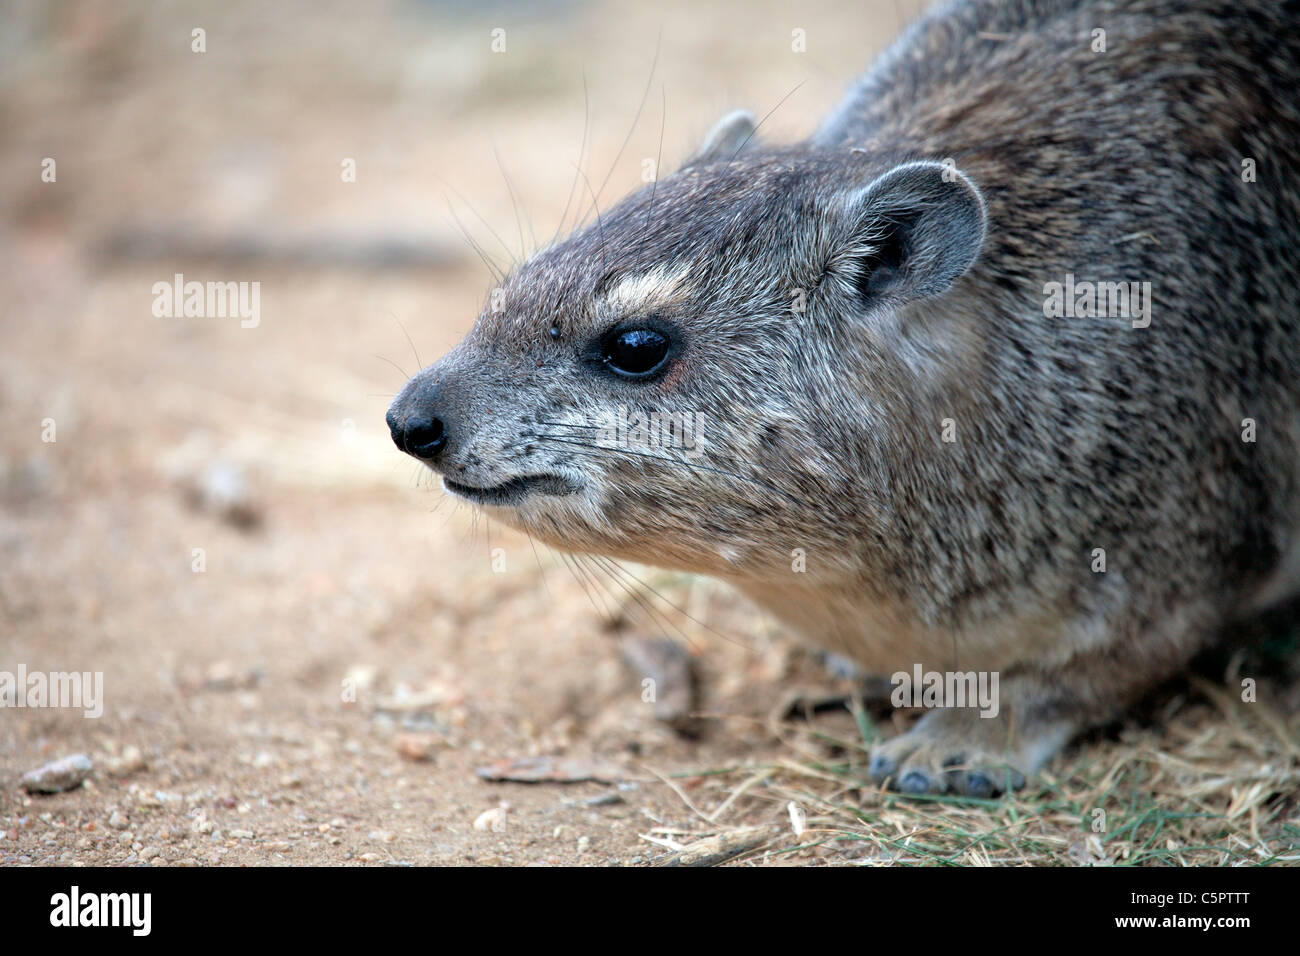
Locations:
(635, 353)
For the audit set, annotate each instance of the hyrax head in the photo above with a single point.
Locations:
(702, 378)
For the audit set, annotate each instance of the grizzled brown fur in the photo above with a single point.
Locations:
(991, 151)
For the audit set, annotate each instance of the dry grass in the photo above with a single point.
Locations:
(1196, 777)
(1218, 788)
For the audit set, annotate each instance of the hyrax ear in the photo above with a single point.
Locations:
(914, 231)
(728, 137)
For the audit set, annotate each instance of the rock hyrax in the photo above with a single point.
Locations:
(1007, 354)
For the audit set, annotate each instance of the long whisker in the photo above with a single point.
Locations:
(655, 616)
(488, 261)
(613, 569)
(628, 138)
(615, 606)
(754, 131)
(514, 204)
(586, 122)
(771, 466)
(414, 350)
(671, 461)
(390, 362)
(540, 573)
(654, 187)
(487, 225)
(601, 609)
(600, 225)
(713, 455)
(680, 610)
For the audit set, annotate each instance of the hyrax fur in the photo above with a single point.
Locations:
(871, 332)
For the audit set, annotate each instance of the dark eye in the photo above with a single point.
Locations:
(635, 353)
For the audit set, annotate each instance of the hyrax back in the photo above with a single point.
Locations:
(1007, 351)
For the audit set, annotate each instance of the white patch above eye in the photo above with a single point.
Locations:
(731, 555)
(643, 291)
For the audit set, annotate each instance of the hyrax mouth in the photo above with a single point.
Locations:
(513, 492)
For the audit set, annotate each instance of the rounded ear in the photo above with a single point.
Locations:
(728, 137)
(915, 230)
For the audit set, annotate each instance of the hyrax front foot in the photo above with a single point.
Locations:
(960, 752)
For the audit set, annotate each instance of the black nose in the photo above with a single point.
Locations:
(418, 434)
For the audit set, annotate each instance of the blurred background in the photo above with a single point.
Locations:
(221, 525)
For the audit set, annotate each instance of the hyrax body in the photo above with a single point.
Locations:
(884, 339)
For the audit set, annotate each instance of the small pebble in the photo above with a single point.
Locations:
(494, 820)
(130, 761)
(414, 747)
(223, 489)
(67, 773)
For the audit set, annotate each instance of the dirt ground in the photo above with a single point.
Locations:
(307, 650)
